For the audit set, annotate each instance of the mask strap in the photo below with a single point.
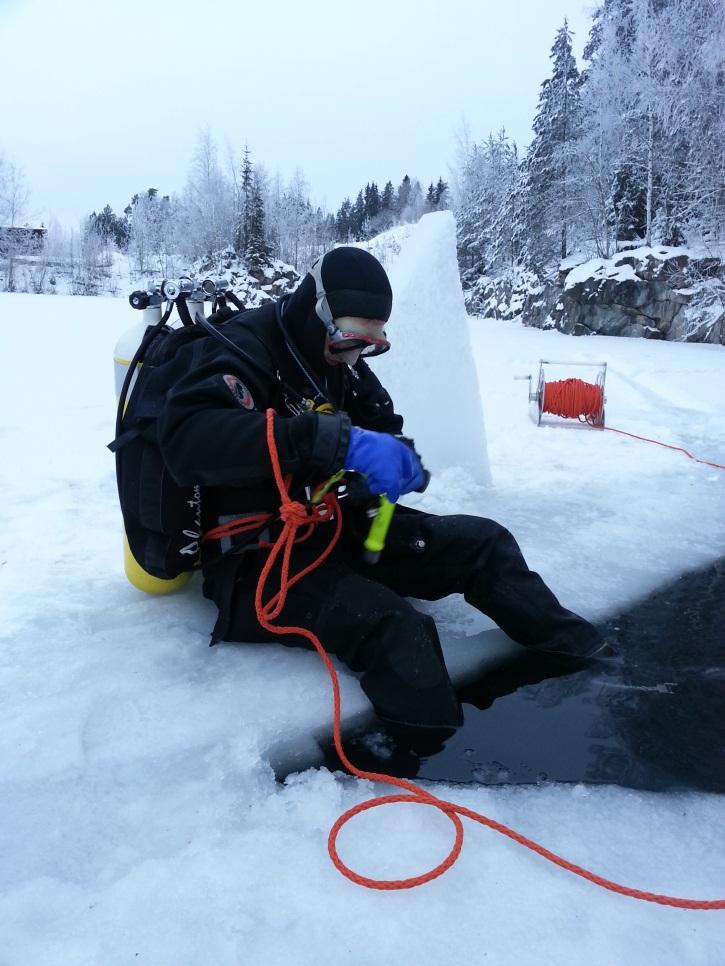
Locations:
(321, 307)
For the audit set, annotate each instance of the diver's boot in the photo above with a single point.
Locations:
(594, 650)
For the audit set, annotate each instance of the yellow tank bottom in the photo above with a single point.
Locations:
(144, 581)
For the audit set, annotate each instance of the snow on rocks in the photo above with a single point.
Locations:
(253, 284)
(664, 292)
(659, 293)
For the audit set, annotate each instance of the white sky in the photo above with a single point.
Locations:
(102, 99)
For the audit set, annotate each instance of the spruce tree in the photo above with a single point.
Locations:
(550, 158)
(371, 200)
(403, 199)
(111, 227)
(257, 250)
(357, 217)
(387, 199)
(416, 202)
(343, 225)
(247, 189)
(441, 194)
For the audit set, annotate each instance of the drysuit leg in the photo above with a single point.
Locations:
(430, 557)
(372, 629)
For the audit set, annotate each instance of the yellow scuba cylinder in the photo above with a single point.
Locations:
(123, 355)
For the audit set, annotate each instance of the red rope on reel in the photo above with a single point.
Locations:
(574, 399)
(295, 515)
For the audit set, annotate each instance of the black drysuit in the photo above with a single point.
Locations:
(212, 432)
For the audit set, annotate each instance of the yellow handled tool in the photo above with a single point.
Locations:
(375, 542)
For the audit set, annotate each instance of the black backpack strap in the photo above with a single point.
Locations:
(125, 437)
(183, 309)
(148, 338)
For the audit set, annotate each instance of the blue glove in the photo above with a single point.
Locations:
(390, 466)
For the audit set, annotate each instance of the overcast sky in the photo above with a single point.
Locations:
(102, 99)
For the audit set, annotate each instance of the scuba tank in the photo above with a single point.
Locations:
(162, 519)
(125, 350)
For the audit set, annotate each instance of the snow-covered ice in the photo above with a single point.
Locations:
(139, 821)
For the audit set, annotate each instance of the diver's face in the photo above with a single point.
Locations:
(353, 337)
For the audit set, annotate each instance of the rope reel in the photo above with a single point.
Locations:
(569, 398)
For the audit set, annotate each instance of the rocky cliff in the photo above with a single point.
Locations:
(656, 293)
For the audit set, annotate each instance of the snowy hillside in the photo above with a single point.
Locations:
(114, 273)
(139, 819)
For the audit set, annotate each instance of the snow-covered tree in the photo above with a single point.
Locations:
(14, 203)
(257, 248)
(371, 201)
(357, 218)
(206, 211)
(274, 214)
(485, 179)
(653, 148)
(442, 195)
(549, 160)
(244, 196)
(688, 108)
(611, 198)
(91, 260)
(415, 207)
(116, 230)
(343, 221)
(14, 194)
(403, 196)
(153, 234)
(387, 199)
(297, 220)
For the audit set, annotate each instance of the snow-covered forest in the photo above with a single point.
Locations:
(228, 204)
(628, 152)
(630, 147)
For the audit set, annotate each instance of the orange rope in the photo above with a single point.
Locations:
(679, 449)
(234, 527)
(576, 399)
(294, 515)
(573, 399)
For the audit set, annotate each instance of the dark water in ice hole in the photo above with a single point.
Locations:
(656, 721)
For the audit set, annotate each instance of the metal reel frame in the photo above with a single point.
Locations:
(539, 393)
(601, 377)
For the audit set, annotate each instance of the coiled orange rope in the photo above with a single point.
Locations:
(294, 515)
(573, 399)
(576, 399)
